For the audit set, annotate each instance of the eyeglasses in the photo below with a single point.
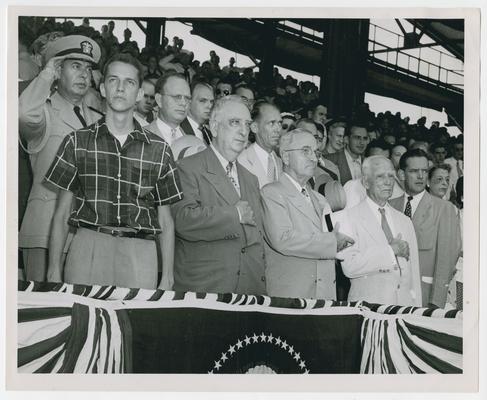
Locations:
(319, 138)
(225, 92)
(235, 122)
(307, 151)
(148, 96)
(178, 97)
(288, 126)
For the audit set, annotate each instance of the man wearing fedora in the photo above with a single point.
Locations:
(52, 106)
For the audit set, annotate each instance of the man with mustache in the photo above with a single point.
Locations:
(436, 225)
(219, 234)
(173, 96)
(260, 157)
(52, 106)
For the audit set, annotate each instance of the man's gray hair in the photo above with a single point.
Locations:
(371, 161)
(288, 138)
(220, 104)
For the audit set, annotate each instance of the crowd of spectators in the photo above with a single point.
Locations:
(298, 102)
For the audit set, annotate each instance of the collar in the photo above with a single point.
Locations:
(349, 155)
(223, 161)
(164, 126)
(375, 207)
(295, 183)
(138, 133)
(416, 198)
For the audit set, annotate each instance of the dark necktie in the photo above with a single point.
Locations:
(77, 111)
(385, 225)
(150, 117)
(408, 209)
(206, 134)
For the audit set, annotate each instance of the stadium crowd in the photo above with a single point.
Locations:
(148, 168)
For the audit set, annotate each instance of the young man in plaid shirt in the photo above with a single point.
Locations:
(122, 179)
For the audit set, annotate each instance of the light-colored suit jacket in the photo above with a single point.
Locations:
(438, 233)
(300, 257)
(214, 252)
(46, 120)
(249, 159)
(373, 276)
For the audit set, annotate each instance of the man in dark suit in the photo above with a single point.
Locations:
(219, 232)
(436, 224)
(202, 99)
(349, 160)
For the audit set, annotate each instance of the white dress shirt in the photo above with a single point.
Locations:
(374, 207)
(263, 157)
(299, 188)
(355, 165)
(168, 134)
(414, 202)
(224, 162)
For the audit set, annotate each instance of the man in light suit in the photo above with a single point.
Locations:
(260, 157)
(219, 233)
(383, 264)
(301, 256)
(45, 118)
(436, 224)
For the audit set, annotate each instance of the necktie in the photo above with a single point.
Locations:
(230, 176)
(271, 170)
(150, 117)
(206, 134)
(408, 209)
(385, 225)
(77, 111)
(304, 192)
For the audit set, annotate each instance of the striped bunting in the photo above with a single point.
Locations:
(64, 328)
(80, 339)
(125, 294)
(411, 345)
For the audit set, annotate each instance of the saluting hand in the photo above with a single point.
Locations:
(53, 66)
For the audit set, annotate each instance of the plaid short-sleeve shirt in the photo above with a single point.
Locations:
(114, 185)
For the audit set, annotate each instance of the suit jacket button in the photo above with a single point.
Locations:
(242, 251)
(262, 279)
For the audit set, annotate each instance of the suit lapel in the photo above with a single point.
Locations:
(218, 178)
(66, 113)
(299, 202)
(423, 210)
(370, 224)
(186, 127)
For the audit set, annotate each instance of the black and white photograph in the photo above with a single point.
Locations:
(196, 193)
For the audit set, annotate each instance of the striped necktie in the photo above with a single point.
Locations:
(271, 169)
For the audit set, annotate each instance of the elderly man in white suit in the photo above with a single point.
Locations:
(383, 263)
(300, 254)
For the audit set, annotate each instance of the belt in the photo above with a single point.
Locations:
(119, 233)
